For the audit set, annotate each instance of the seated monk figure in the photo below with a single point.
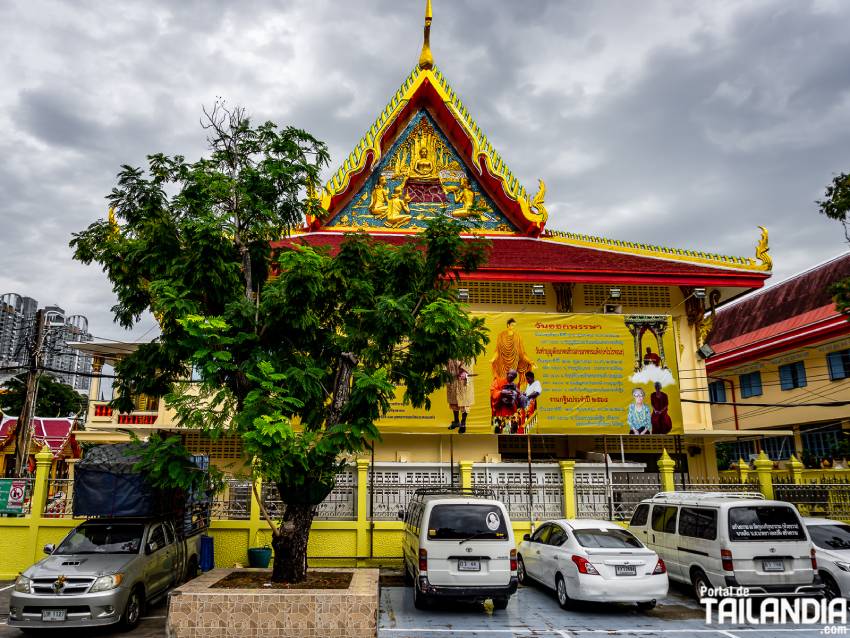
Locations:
(398, 205)
(380, 198)
(465, 196)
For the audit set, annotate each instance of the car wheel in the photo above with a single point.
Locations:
(701, 584)
(648, 605)
(521, 574)
(500, 603)
(420, 600)
(831, 589)
(133, 610)
(561, 592)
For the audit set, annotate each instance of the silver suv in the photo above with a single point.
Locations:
(103, 572)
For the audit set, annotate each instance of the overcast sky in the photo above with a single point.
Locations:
(681, 123)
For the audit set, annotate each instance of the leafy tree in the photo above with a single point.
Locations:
(836, 205)
(54, 398)
(300, 364)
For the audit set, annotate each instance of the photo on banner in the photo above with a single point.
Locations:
(544, 373)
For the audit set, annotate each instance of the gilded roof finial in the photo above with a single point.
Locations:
(426, 60)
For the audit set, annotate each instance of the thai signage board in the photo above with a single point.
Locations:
(12, 494)
(546, 373)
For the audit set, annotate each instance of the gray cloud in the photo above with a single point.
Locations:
(686, 124)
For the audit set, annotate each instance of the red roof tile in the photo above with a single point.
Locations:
(547, 260)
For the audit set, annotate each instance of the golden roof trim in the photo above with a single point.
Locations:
(659, 252)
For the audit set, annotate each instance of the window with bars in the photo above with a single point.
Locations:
(819, 443)
(792, 375)
(717, 392)
(838, 364)
(750, 385)
(633, 296)
(503, 293)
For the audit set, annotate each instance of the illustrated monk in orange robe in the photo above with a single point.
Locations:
(510, 353)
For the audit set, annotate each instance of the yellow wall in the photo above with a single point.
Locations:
(819, 388)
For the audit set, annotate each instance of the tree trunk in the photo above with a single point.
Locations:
(290, 545)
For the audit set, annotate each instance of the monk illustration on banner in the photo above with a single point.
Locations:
(510, 354)
(661, 421)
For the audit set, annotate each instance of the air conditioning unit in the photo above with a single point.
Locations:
(612, 309)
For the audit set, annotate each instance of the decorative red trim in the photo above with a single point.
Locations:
(825, 330)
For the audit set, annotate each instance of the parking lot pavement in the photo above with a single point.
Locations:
(533, 611)
(152, 624)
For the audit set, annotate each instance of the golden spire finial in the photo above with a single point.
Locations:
(426, 60)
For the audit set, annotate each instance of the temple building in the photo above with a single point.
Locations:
(598, 321)
(606, 337)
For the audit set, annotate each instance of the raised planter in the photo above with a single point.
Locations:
(196, 610)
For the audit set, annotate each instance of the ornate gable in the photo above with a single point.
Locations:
(421, 176)
(460, 173)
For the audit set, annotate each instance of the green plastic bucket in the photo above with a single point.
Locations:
(259, 556)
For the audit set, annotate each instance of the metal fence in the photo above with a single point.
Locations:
(340, 504)
(392, 486)
(234, 501)
(59, 503)
(827, 500)
(543, 495)
(616, 500)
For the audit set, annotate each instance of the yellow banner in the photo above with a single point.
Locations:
(559, 374)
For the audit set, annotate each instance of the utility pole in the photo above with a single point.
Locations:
(23, 434)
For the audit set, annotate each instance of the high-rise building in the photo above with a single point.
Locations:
(17, 332)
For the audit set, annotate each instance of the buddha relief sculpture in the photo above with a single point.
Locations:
(379, 202)
(424, 167)
(465, 196)
(398, 208)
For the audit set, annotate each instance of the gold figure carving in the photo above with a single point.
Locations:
(398, 205)
(762, 251)
(422, 156)
(465, 196)
(379, 203)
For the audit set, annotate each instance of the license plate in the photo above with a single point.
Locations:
(773, 566)
(53, 615)
(625, 570)
(469, 565)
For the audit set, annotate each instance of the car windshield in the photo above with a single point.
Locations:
(606, 538)
(103, 539)
(458, 522)
(765, 523)
(830, 536)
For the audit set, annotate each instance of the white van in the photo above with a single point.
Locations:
(459, 544)
(718, 540)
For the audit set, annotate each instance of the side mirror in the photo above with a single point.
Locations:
(151, 547)
(48, 549)
(401, 515)
(526, 537)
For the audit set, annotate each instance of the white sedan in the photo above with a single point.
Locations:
(592, 560)
(832, 538)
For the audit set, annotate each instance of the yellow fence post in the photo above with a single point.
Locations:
(43, 461)
(796, 470)
(764, 468)
(466, 474)
(568, 477)
(363, 522)
(743, 471)
(665, 470)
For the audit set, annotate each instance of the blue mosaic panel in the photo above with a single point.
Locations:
(420, 177)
